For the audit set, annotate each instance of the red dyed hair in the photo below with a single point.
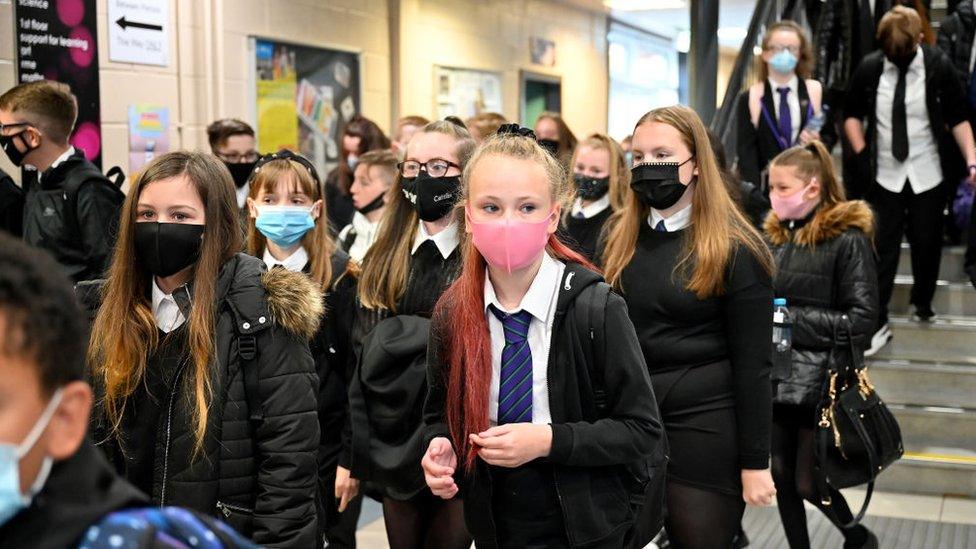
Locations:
(466, 342)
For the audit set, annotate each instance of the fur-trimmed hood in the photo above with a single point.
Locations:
(826, 224)
(294, 301)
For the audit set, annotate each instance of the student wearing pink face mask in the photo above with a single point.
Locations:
(825, 269)
(540, 402)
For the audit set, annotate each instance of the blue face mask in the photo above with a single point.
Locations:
(284, 225)
(11, 500)
(783, 62)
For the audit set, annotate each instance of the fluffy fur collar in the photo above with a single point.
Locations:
(294, 301)
(828, 223)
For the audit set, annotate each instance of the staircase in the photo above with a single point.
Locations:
(927, 376)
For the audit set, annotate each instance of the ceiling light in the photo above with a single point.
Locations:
(645, 5)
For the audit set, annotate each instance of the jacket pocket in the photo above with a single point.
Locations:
(238, 517)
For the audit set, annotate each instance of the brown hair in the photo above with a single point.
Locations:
(619, 172)
(813, 160)
(486, 123)
(317, 242)
(385, 160)
(124, 333)
(371, 138)
(898, 32)
(386, 265)
(49, 105)
(219, 131)
(567, 140)
(805, 63)
(411, 120)
(718, 227)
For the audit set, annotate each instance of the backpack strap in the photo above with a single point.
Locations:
(591, 313)
(247, 349)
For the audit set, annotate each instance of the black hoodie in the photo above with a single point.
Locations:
(81, 491)
(590, 451)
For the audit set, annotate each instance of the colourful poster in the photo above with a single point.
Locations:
(148, 134)
(305, 95)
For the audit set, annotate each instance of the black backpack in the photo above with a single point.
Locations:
(647, 488)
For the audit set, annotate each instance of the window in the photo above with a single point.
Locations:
(643, 76)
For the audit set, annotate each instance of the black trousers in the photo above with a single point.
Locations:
(919, 218)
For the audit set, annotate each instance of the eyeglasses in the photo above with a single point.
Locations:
(795, 50)
(5, 127)
(236, 158)
(435, 168)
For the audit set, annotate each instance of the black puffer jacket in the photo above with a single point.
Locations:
(260, 478)
(825, 268)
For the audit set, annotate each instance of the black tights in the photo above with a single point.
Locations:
(425, 522)
(792, 468)
(699, 518)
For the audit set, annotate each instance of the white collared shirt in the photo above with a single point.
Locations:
(594, 208)
(540, 302)
(921, 168)
(793, 99)
(366, 232)
(59, 160)
(446, 240)
(165, 310)
(678, 221)
(242, 195)
(295, 262)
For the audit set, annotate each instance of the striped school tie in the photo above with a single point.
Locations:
(515, 387)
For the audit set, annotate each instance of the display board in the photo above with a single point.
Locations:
(56, 41)
(466, 92)
(304, 95)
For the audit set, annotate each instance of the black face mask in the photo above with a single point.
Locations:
(7, 144)
(550, 145)
(240, 172)
(376, 204)
(167, 248)
(657, 184)
(432, 197)
(591, 188)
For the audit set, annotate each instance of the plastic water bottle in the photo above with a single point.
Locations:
(816, 123)
(782, 339)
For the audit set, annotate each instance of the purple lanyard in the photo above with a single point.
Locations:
(783, 141)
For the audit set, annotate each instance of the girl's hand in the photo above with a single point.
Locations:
(513, 444)
(757, 487)
(346, 487)
(439, 463)
(808, 136)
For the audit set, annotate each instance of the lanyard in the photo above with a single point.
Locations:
(784, 142)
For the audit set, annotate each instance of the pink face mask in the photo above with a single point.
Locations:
(793, 206)
(509, 244)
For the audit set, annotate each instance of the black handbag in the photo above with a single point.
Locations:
(857, 437)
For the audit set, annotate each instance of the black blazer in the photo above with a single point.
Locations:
(757, 145)
(944, 98)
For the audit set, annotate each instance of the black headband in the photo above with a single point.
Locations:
(285, 154)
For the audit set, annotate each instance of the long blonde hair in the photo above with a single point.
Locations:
(124, 333)
(717, 229)
(619, 172)
(317, 242)
(386, 265)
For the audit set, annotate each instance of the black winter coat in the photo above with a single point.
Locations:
(825, 268)
(956, 36)
(73, 214)
(80, 492)
(843, 38)
(260, 476)
(590, 452)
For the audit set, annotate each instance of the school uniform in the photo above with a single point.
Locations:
(580, 495)
(784, 111)
(708, 358)
(906, 170)
(585, 225)
(357, 237)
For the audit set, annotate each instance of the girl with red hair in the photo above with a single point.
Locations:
(539, 396)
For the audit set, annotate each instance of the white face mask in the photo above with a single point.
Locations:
(11, 500)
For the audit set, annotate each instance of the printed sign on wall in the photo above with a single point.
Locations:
(138, 31)
(57, 41)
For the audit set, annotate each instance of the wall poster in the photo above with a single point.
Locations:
(304, 97)
(57, 41)
(466, 92)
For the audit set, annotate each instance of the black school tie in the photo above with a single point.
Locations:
(899, 125)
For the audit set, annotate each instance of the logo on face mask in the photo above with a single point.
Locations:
(431, 197)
